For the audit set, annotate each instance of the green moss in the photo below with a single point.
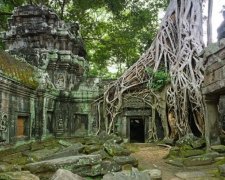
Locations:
(18, 70)
(193, 152)
(214, 172)
(220, 162)
(16, 158)
(20, 160)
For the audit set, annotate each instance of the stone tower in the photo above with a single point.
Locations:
(43, 40)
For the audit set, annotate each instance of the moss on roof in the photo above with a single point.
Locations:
(18, 70)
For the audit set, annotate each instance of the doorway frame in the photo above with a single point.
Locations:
(27, 119)
(146, 126)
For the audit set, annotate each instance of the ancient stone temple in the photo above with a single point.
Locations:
(214, 88)
(134, 121)
(44, 89)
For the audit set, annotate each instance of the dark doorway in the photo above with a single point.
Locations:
(79, 123)
(159, 127)
(137, 130)
(50, 123)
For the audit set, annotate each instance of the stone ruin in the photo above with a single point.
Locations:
(213, 88)
(45, 93)
(39, 36)
(44, 88)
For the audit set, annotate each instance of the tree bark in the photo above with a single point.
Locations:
(209, 22)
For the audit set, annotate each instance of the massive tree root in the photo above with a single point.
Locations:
(174, 50)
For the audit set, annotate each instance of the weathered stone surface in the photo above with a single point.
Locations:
(70, 163)
(222, 169)
(9, 167)
(65, 143)
(219, 160)
(103, 154)
(109, 166)
(73, 150)
(127, 167)
(75, 147)
(185, 147)
(193, 152)
(90, 170)
(3, 168)
(17, 158)
(134, 174)
(218, 148)
(93, 140)
(36, 146)
(174, 151)
(222, 42)
(91, 148)
(199, 143)
(102, 138)
(62, 174)
(193, 175)
(122, 160)
(175, 162)
(114, 149)
(21, 148)
(42, 153)
(155, 174)
(198, 161)
(212, 154)
(211, 48)
(186, 140)
(115, 139)
(168, 141)
(18, 175)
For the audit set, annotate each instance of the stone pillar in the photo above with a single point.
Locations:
(212, 131)
(39, 122)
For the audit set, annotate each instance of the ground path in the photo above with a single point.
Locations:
(151, 156)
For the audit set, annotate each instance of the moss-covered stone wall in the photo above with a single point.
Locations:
(16, 101)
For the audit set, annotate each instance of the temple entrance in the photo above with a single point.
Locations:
(50, 123)
(78, 124)
(137, 130)
(22, 126)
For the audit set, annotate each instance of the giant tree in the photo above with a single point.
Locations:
(174, 51)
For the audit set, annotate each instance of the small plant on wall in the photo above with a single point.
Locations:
(157, 79)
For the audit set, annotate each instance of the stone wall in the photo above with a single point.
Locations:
(213, 90)
(16, 101)
(61, 103)
(134, 109)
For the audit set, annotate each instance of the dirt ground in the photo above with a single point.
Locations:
(151, 156)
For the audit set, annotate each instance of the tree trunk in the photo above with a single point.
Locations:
(209, 22)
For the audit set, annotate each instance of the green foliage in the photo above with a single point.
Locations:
(158, 79)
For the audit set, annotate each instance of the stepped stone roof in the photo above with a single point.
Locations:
(18, 70)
